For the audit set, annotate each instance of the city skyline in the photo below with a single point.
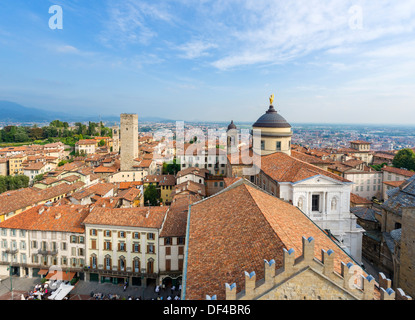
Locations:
(343, 62)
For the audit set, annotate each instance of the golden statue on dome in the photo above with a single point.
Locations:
(271, 99)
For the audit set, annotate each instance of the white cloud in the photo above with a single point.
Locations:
(260, 32)
(128, 22)
(195, 49)
(67, 49)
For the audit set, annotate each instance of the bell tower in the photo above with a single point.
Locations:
(232, 138)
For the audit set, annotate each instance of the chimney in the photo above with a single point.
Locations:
(41, 210)
(58, 215)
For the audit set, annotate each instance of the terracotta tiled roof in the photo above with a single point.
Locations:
(99, 189)
(168, 180)
(87, 142)
(63, 218)
(354, 198)
(48, 181)
(111, 202)
(402, 172)
(190, 187)
(144, 164)
(146, 217)
(192, 170)
(283, 168)
(176, 219)
(394, 183)
(12, 201)
(309, 159)
(35, 166)
(229, 181)
(129, 194)
(71, 178)
(384, 155)
(102, 169)
(235, 230)
(353, 163)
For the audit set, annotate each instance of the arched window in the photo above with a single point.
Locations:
(121, 264)
(93, 261)
(150, 265)
(136, 265)
(107, 262)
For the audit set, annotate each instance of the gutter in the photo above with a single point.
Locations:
(183, 297)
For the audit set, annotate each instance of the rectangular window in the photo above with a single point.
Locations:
(180, 264)
(107, 245)
(168, 264)
(136, 235)
(315, 202)
(167, 241)
(278, 146)
(150, 248)
(150, 236)
(181, 250)
(168, 251)
(180, 240)
(262, 145)
(136, 247)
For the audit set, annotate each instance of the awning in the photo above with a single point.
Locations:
(50, 275)
(63, 275)
(42, 272)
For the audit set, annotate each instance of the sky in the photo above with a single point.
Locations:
(325, 61)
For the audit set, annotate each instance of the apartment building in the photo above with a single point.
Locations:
(87, 146)
(122, 244)
(41, 237)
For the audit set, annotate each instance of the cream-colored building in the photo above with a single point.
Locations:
(4, 167)
(122, 244)
(87, 146)
(16, 164)
(41, 238)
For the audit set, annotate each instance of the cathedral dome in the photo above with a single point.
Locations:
(271, 119)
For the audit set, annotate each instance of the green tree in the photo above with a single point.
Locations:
(405, 158)
(151, 195)
(101, 143)
(38, 178)
(3, 185)
(171, 168)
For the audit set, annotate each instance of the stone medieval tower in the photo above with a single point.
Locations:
(115, 139)
(129, 141)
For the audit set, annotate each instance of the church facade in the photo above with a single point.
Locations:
(321, 195)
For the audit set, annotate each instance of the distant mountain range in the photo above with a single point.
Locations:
(11, 112)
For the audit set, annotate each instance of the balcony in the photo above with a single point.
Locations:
(45, 252)
(11, 251)
(115, 272)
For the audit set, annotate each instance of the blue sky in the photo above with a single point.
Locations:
(325, 61)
